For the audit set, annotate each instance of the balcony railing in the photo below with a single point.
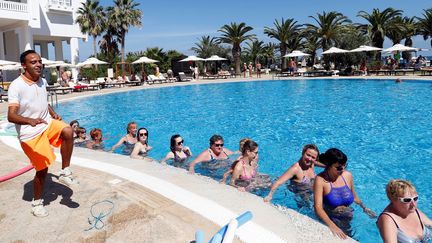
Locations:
(13, 6)
(60, 5)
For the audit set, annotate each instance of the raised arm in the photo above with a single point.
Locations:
(319, 208)
(357, 200)
(203, 156)
(118, 144)
(169, 155)
(228, 152)
(427, 221)
(281, 180)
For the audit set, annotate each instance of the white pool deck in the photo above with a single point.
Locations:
(203, 196)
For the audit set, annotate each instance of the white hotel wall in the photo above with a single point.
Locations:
(29, 23)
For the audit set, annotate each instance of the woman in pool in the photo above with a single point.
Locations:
(74, 124)
(334, 193)
(243, 169)
(128, 140)
(214, 153)
(178, 152)
(301, 173)
(141, 148)
(401, 221)
(96, 141)
(81, 138)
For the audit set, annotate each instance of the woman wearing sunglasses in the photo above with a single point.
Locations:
(401, 220)
(141, 148)
(334, 193)
(213, 154)
(178, 152)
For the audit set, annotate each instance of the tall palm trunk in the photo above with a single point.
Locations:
(236, 52)
(283, 50)
(123, 54)
(95, 50)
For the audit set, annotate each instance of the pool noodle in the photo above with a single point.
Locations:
(15, 173)
(240, 219)
(230, 232)
(199, 236)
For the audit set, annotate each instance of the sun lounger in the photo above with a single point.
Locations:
(153, 79)
(183, 77)
(89, 86)
(425, 70)
(209, 76)
(172, 79)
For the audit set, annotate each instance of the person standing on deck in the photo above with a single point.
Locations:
(38, 127)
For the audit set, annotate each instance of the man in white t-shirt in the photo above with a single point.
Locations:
(39, 127)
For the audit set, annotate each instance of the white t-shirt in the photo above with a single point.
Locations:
(31, 98)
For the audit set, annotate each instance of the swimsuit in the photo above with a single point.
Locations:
(404, 238)
(244, 175)
(212, 159)
(178, 159)
(339, 196)
(128, 147)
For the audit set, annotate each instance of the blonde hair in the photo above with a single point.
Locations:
(398, 187)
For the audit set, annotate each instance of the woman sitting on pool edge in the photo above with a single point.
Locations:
(301, 173)
(401, 220)
(141, 148)
(214, 153)
(128, 140)
(178, 152)
(334, 193)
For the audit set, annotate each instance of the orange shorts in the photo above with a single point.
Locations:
(39, 149)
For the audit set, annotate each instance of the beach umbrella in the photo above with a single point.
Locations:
(297, 54)
(90, 61)
(47, 62)
(4, 62)
(215, 58)
(366, 49)
(334, 50)
(400, 47)
(144, 59)
(192, 59)
(60, 64)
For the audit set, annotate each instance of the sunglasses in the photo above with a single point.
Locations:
(408, 199)
(218, 144)
(180, 142)
(143, 134)
(341, 167)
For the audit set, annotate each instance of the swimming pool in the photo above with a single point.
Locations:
(383, 127)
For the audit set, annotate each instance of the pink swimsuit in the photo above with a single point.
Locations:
(244, 175)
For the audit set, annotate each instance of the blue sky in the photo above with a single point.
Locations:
(179, 24)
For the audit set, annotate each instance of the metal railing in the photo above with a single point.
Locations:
(52, 98)
(14, 6)
(62, 3)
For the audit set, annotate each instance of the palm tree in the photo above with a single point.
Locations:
(378, 25)
(123, 15)
(311, 45)
(234, 34)
(327, 28)
(206, 46)
(283, 32)
(255, 49)
(425, 25)
(269, 53)
(108, 43)
(396, 30)
(90, 19)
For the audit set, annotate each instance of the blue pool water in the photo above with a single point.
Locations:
(383, 127)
